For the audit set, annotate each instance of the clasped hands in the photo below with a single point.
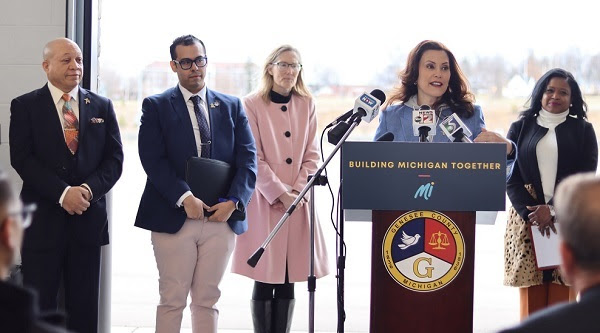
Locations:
(76, 200)
(194, 208)
(285, 200)
(540, 216)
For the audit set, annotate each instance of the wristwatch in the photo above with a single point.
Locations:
(552, 212)
(238, 205)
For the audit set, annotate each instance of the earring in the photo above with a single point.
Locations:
(570, 105)
(415, 83)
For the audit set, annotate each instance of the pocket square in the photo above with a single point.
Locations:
(96, 120)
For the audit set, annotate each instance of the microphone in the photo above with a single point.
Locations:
(423, 122)
(335, 134)
(387, 136)
(366, 107)
(341, 118)
(455, 129)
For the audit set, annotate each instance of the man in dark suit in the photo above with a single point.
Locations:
(578, 216)
(191, 249)
(65, 145)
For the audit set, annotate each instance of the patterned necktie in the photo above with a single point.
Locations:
(202, 125)
(71, 124)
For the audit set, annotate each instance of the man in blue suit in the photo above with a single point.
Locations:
(66, 146)
(578, 216)
(191, 249)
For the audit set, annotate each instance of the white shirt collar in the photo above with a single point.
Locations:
(187, 94)
(57, 93)
(412, 102)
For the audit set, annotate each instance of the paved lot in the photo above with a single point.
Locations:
(135, 278)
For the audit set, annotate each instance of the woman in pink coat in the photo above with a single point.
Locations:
(283, 120)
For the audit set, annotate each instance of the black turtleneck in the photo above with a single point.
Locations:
(278, 98)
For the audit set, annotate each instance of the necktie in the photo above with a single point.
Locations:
(71, 124)
(202, 125)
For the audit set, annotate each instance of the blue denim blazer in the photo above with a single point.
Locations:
(397, 119)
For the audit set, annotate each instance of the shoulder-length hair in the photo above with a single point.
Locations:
(266, 84)
(578, 106)
(457, 96)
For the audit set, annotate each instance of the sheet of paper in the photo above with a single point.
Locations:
(546, 249)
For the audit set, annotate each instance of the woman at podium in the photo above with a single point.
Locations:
(432, 80)
(554, 140)
(283, 120)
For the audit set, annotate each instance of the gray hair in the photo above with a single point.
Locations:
(577, 203)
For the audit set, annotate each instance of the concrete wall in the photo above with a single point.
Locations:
(25, 27)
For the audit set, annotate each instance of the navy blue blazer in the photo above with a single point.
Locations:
(580, 317)
(39, 154)
(166, 141)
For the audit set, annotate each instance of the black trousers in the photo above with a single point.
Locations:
(75, 265)
(266, 291)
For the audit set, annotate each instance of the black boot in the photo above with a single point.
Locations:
(283, 309)
(261, 316)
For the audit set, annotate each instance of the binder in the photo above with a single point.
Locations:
(210, 180)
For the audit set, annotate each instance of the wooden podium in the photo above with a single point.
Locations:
(424, 197)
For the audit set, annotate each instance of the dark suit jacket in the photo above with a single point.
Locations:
(19, 312)
(166, 141)
(39, 154)
(577, 152)
(580, 317)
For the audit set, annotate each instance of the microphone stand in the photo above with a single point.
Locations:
(459, 136)
(423, 132)
(312, 281)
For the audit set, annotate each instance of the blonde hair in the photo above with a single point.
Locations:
(267, 82)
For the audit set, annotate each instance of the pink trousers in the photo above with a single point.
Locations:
(192, 261)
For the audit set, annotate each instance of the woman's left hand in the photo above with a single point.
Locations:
(279, 206)
(540, 217)
(489, 136)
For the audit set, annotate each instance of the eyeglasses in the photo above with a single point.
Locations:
(186, 63)
(284, 66)
(25, 214)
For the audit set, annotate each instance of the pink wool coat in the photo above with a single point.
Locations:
(283, 162)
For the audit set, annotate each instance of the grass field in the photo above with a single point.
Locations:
(499, 113)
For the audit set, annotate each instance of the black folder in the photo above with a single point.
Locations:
(210, 180)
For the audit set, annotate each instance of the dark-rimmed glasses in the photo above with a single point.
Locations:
(186, 63)
(284, 66)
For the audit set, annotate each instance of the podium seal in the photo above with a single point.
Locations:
(423, 250)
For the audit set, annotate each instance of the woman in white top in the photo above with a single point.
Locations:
(554, 140)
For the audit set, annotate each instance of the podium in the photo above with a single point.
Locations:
(424, 197)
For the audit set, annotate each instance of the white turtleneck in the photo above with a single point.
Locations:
(547, 150)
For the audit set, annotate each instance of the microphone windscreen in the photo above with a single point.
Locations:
(388, 136)
(380, 95)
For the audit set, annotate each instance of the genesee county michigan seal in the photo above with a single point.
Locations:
(423, 250)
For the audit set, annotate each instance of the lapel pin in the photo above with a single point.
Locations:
(214, 105)
(87, 101)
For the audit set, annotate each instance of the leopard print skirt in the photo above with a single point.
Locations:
(519, 259)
